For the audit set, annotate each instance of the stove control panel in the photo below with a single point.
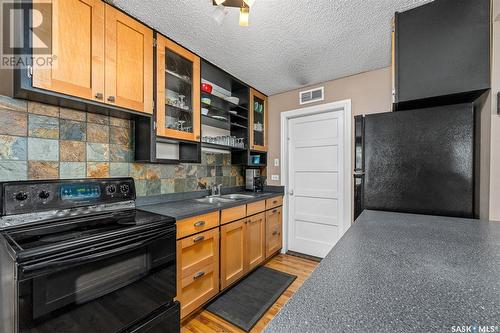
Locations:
(32, 196)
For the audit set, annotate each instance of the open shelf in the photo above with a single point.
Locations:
(214, 122)
(224, 102)
(217, 146)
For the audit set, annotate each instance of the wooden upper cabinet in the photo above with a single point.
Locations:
(258, 121)
(178, 91)
(78, 44)
(256, 240)
(129, 62)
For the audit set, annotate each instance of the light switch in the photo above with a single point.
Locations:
(276, 162)
(275, 177)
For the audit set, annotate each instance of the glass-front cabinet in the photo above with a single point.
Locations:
(178, 92)
(258, 121)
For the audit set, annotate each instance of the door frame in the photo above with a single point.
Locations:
(345, 107)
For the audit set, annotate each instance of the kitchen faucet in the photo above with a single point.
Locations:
(215, 190)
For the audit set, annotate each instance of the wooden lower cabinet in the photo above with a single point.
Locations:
(233, 251)
(197, 269)
(256, 240)
(274, 237)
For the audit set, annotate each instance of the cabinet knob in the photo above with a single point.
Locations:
(111, 99)
(275, 233)
(275, 211)
(99, 96)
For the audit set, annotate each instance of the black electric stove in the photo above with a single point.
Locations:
(76, 249)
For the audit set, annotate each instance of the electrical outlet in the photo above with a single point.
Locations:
(275, 177)
(276, 162)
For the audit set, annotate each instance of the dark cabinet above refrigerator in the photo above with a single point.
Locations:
(442, 53)
(421, 161)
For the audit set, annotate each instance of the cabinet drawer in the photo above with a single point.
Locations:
(256, 207)
(194, 290)
(197, 224)
(274, 202)
(197, 251)
(233, 214)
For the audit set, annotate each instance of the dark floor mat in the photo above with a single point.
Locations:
(246, 302)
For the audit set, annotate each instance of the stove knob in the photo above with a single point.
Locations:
(111, 189)
(124, 188)
(44, 195)
(21, 196)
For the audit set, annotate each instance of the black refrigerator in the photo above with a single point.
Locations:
(421, 161)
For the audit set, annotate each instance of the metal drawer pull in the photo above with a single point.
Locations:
(199, 224)
(198, 239)
(111, 99)
(275, 201)
(99, 96)
(198, 275)
(275, 233)
(275, 211)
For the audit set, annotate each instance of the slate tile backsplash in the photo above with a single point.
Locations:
(39, 141)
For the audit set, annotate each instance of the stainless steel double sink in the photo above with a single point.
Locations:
(224, 198)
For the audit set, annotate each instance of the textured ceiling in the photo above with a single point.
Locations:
(289, 43)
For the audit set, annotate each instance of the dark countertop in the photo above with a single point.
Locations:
(395, 272)
(181, 209)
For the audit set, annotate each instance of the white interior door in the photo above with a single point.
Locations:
(316, 187)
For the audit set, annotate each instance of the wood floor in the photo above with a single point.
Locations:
(205, 322)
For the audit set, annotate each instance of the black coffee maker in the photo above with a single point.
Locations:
(254, 181)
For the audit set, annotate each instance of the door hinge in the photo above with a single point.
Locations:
(155, 42)
(154, 125)
(30, 72)
(153, 107)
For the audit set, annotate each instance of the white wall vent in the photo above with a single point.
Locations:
(311, 96)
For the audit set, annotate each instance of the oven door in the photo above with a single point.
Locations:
(106, 290)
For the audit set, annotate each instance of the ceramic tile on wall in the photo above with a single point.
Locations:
(72, 151)
(119, 153)
(167, 186)
(43, 149)
(97, 119)
(118, 122)
(97, 152)
(119, 169)
(13, 148)
(43, 170)
(69, 170)
(97, 133)
(43, 109)
(73, 130)
(13, 123)
(119, 135)
(72, 115)
(43, 127)
(13, 170)
(97, 170)
(12, 104)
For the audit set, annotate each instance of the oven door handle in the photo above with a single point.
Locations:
(58, 264)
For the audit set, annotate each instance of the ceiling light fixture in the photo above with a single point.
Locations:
(243, 5)
(244, 16)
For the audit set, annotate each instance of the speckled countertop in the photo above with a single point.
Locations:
(401, 273)
(181, 209)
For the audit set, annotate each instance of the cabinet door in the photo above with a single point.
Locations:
(129, 62)
(258, 121)
(233, 252)
(197, 270)
(273, 231)
(178, 92)
(256, 240)
(78, 44)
